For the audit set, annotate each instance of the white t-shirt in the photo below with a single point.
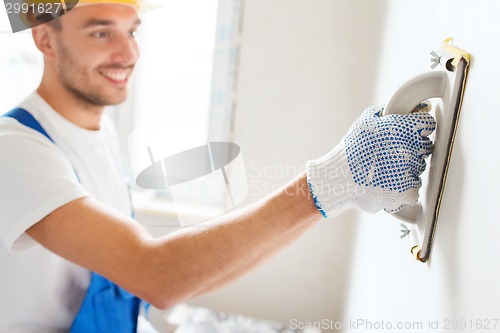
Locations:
(40, 291)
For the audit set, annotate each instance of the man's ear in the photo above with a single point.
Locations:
(45, 40)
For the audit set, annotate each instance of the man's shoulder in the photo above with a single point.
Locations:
(12, 130)
(21, 143)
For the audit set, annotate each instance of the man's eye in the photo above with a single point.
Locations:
(101, 34)
(133, 34)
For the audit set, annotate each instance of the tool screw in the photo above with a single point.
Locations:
(405, 231)
(436, 58)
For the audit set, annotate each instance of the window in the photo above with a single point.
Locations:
(183, 91)
(21, 66)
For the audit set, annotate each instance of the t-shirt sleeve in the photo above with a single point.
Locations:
(36, 178)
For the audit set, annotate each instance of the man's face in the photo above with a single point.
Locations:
(96, 52)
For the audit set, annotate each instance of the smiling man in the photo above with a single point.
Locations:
(71, 256)
(89, 57)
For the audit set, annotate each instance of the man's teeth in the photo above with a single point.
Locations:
(116, 76)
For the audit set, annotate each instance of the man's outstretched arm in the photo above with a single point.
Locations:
(185, 263)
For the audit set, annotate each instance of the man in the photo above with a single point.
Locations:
(65, 211)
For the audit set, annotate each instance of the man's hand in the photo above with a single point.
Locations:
(377, 165)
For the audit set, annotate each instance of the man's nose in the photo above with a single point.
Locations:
(126, 51)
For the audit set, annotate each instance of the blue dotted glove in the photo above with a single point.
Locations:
(377, 165)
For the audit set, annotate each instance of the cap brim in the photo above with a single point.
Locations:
(147, 6)
(140, 5)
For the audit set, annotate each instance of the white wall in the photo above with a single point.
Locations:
(307, 70)
(461, 282)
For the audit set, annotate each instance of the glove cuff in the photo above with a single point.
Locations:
(330, 182)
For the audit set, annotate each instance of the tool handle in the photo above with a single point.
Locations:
(421, 87)
(426, 85)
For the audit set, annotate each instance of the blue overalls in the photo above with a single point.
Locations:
(106, 308)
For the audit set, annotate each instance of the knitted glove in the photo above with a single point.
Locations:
(376, 165)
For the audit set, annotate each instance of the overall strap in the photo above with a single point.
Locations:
(25, 118)
(106, 306)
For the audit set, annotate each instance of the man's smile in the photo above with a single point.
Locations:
(115, 76)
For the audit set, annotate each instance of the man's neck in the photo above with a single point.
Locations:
(63, 102)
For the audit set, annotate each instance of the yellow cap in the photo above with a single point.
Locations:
(41, 11)
(132, 3)
(138, 4)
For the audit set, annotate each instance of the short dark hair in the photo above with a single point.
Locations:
(55, 24)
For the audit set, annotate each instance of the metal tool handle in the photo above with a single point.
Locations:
(427, 85)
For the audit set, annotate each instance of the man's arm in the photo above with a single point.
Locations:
(183, 264)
